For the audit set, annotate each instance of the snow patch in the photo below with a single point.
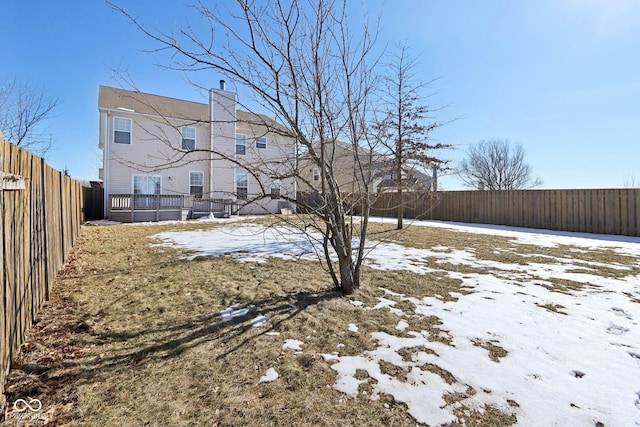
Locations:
(269, 376)
(259, 320)
(402, 325)
(292, 345)
(231, 312)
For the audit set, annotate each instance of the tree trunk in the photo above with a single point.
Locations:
(400, 209)
(342, 245)
(399, 155)
(347, 284)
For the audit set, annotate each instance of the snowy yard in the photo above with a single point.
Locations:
(541, 327)
(234, 323)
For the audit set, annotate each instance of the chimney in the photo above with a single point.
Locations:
(434, 179)
(223, 85)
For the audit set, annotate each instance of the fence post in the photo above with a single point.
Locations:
(4, 355)
(46, 260)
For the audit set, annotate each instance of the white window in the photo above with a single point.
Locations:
(196, 184)
(275, 188)
(121, 130)
(146, 188)
(316, 174)
(146, 184)
(188, 138)
(241, 144)
(261, 143)
(242, 189)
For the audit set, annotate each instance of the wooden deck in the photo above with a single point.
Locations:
(165, 207)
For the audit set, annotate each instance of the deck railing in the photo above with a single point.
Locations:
(222, 207)
(145, 201)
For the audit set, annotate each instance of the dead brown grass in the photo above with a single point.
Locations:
(133, 334)
(495, 351)
(556, 308)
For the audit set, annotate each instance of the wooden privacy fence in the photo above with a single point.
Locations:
(39, 221)
(606, 211)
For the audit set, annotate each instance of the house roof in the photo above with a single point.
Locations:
(156, 105)
(145, 103)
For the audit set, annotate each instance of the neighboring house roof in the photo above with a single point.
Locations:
(156, 105)
(414, 178)
(341, 147)
(344, 152)
(341, 156)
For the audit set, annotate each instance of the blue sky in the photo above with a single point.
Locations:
(561, 77)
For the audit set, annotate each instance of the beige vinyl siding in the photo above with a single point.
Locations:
(164, 141)
(278, 157)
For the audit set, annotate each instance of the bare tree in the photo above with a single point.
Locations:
(631, 181)
(305, 69)
(23, 109)
(405, 126)
(496, 164)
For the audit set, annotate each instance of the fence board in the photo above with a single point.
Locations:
(588, 218)
(636, 214)
(624, 212)
(4, 355)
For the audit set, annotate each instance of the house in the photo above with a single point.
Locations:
(166, 158)
(372, 172)
(413, 179)
(350, 177)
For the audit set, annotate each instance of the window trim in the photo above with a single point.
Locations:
(191, 185)
(239, 178)
(276, 188)
(241, 141)
(122, 131)
(261, 140)
(139, 200)
(184, 145)
(133, 183)
(316, 175)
